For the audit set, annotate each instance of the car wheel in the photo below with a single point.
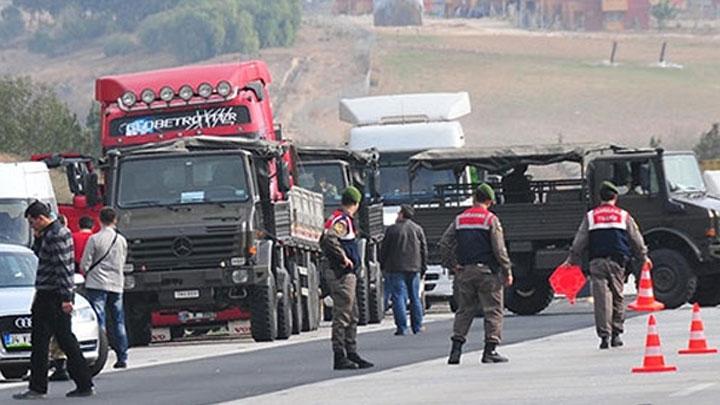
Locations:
(103, 348)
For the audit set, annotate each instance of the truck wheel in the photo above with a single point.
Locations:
(297, 299)
(363, 297)
(263, 311)
(376, 300)
(137, 323)
(103, 348)
(13, 372)
(673, 281)
(284, 311)
(311, 302)
(528, 297)
(707, 293)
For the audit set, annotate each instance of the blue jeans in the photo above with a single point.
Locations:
(403, 286)
(99, 299)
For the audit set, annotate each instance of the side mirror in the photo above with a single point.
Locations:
(283, 177)
(375, 186)
(90, 186)
(78, 279)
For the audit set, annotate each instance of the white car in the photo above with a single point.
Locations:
(18, 267)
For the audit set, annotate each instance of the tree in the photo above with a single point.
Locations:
(709, 145)
(11, 24)
(655, 142)
(663, 11)
(34, 120)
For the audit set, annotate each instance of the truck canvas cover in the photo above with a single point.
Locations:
(404, 108)
(501, 159)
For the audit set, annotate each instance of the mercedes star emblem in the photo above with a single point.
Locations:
(182, 246)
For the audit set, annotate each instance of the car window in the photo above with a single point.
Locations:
(17, 269)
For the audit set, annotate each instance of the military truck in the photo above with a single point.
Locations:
(215, 223)
(330, 170)
(663, 190)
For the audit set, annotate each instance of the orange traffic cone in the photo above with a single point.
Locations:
(698, 343)
(645, 300)
(654, 361)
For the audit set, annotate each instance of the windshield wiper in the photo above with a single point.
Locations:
(149, 203)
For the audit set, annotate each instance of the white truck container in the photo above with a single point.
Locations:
(399, 126)
(22, 183)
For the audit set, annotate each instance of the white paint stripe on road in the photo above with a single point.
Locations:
(691, 390)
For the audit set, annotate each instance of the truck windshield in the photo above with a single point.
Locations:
(17, 269)
(182, 180)
(683, 173)
(326, 179)
(14, 227)
(395, 182)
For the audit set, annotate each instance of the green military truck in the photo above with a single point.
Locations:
(329, 171)
(214, 223)
(663, 190)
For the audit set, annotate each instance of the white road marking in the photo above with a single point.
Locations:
(691, 390)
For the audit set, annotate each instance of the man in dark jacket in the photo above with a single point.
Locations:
(340, 246)
(404, 259)
(53, 305)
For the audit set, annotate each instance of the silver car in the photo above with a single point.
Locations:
(18, 267)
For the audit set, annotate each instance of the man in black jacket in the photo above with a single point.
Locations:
(53, 305)
(404, 259)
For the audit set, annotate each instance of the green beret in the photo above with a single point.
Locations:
(607, 185)
(486, 190)
(353, 194)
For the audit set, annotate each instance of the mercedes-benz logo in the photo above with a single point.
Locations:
(23, 323)
(182, 246)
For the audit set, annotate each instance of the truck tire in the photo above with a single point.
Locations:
(529, 297)
(263, 311)
(311, 302)
(284, 310)
(673, 281)
(376, 300)
(297, 298)
(707, 293)
(14, 372)
(103, 348)
(137, 324)
(363, 298)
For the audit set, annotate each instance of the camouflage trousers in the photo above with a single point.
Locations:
(344, 313)
(608, 279)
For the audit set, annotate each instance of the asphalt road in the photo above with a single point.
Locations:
(248, 374)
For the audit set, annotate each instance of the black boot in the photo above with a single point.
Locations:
(604, 344)
(455, 351)
(342, 363)
(616, 341)
(490, 355)
(60, 373)
(355, 358)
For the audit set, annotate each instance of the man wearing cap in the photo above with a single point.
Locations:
(611, 237)
(474, 246)
(403, 259)
(340, 246)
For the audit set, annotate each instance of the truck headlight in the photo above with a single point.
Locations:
(224, 88)
(128, 268)
(185, 92)
(237, 261)
(167, 94)
(128, 99)
(240, 276)
(129, 282)
(205, 90)
(147, 96)
(84, 314)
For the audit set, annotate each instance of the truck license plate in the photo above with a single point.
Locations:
(187, 294)
(17, 341)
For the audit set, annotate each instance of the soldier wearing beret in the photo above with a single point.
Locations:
(340, 246)
(474, 246)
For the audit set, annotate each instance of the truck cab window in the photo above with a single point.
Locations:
(326, 179)
(683, 174)
(635, 177)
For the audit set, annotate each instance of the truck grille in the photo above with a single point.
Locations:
(186, 251)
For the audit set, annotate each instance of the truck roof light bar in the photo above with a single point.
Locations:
(186, 92)
(128, 99)
(205, 90)
(147, 96)
(167, 94)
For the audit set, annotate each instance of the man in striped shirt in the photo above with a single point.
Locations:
(53, 305)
